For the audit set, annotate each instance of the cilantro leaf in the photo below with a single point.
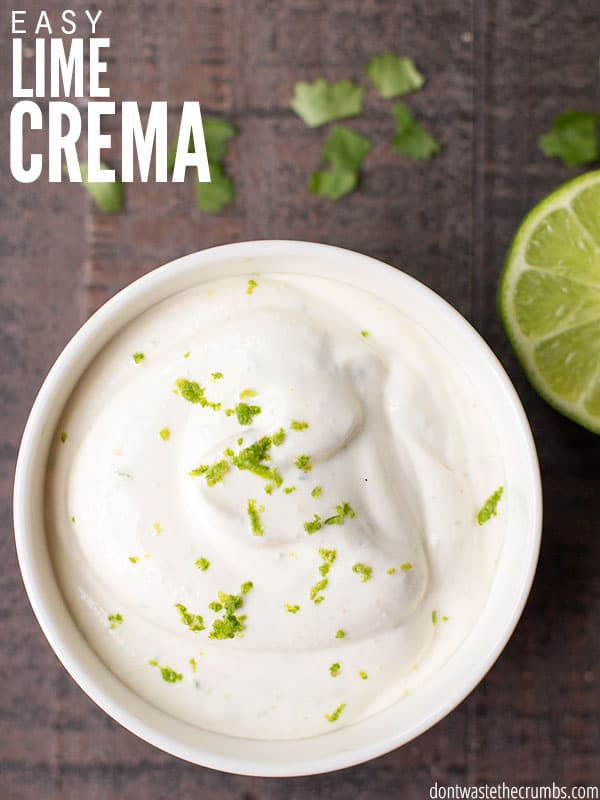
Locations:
(411, 139)
(109, 197)
(320, 102)
(216, 195)
(217, 135)
(394, 75)
(345, 150)
(573, 138)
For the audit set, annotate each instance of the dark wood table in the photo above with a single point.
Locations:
(498, 72)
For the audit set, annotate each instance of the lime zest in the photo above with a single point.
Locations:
(202, 563)
(138, 357)
(114, 620)
(335, 715)
(254, 516)
(168, 674)
(299, 425)
(489, 508)
(292, 609)
(165, 434)
(63, 437)
(334, 669)
(364, 571)
(195, 622)
(194, 393)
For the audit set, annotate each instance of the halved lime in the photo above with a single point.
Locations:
(550, 299)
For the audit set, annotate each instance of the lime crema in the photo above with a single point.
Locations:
(263, 505)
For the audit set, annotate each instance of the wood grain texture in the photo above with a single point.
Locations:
(498, 71)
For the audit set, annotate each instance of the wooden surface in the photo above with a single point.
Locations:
(497, 74)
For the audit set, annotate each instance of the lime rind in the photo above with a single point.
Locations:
(575, 390)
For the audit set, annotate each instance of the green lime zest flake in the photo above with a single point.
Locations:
(165, 434)
(299, 425)
(202, 563)
(394, 75)
(315, 591)
(251, 458)
(406, 567)
(157, 527)
(246, 587)
(340, 634)
(328, 557)
(168, 674)
(364, 334)
(194, 622)
(247, 393)
(134, 559)
(391, 571)
(215, 606)
(317, 492)
(335, 715)
(114, 620)
(244, 413)
(314, 526)
(573, 138)
(193, 664)
(194, 393)
(216, 376)
(445, 618)
(292, 609)
(363, 674)
(364, 571)
(231, 624)
(64, 436)
(252, 284)
(279, 437)
(138, 357)
(254, 516)
(72, 519)
(434, 617)
(240, 441)
(201, 470)
(187, 355)
(411, 139)
(489, 508)
(319, 102)
(303, 463)
(269, 488)
(334, 670)
(342, 511)
(289, 489)
(216, 473)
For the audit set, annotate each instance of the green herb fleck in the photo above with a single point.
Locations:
(254, 516)
(193, 664)
(342, 511)
(138, 357)
(320, 102)
(169, 675)
(109, 197)
(364, 571)
(363, 674)
(194, 393)
(573, 138)
(317, 491)
(194, 622)
(247, 587)
(334, 670)
(394, 75)
(434, 617)
(298, 425)
(252, 284)
(165, 434)
(344, 150)
(340, 634)
(202, 563)
(292, 609)
(314, 526)
(411, 139)
(231, 623)
(134, 559)
(216, 376)
(489, 508)
(335, 715)
(289, 489)
(303, 463)
(406, 567)
(114, 620)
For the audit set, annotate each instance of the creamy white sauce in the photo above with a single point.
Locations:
(394, 430)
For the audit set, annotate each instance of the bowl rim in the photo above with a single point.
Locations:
(25, 539)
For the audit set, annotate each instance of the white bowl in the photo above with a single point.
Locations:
(387, 729)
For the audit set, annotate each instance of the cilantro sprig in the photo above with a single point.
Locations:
(320, 102)
(573, 138)
(411, 139)
(345, 151)
(394, 75)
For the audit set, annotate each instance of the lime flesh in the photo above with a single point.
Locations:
(550, 299)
